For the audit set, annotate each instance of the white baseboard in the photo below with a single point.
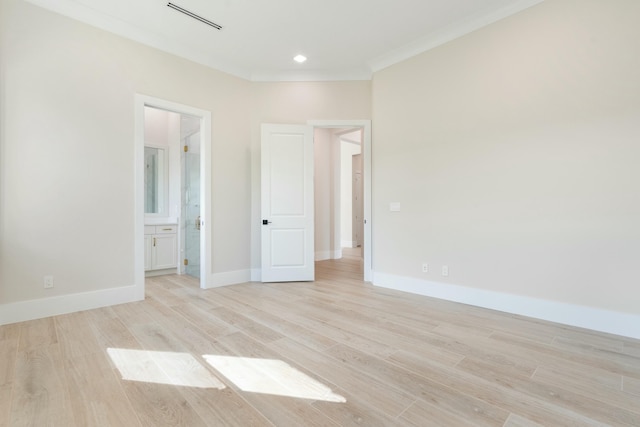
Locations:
(154, 273)
(596, 319)
(45, 307)
(256, 274)
(217, 280)
(325, 255)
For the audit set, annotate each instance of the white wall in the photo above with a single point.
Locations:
(67, 156)
(514, 152)
(156, 126)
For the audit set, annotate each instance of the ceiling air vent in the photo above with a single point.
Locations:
(194, 16)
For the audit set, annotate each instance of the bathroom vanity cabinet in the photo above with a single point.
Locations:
(160, 247)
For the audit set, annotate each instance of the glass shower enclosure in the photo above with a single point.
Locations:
(191, 203)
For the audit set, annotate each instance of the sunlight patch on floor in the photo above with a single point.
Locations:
(161, 367)
(270, 376)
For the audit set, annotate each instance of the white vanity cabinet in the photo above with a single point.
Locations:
(160, 247)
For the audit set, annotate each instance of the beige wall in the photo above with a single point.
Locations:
(67, 152)
(347, 151)
(514, 152)
(323, 194)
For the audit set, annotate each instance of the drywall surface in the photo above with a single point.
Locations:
(514, 153)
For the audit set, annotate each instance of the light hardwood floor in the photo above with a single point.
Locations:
(333, 352)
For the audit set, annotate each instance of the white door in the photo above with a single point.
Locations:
(287, 203)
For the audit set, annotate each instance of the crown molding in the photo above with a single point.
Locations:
(86, 15)
(82, 13)
(447, 34)
(312, 76)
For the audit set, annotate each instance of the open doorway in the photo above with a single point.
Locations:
(342, 158)
(185, 199)
(351, 189)
(338, 192)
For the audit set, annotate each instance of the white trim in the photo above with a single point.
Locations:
(138, 203)
(596, 319)
(447, 34)
(53, 306)
(154, 273)
(227, 278)
(322, 255)
(206, 211)
(348, 243)
(325, 255)
(367, 166)
(256, 275)
(80, 12)
(205, 192)
(354, 74)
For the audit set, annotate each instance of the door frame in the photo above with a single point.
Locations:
(142, 101)
(365, 125)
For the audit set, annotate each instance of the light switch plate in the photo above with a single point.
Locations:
(394, 206)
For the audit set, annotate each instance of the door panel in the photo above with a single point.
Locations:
(286, 174)
(165, 251)
(191, 205)
(287, 203)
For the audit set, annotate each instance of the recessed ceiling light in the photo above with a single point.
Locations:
(300, 58)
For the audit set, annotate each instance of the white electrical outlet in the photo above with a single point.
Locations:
(48, 282)
(445, 270)
(425, 268)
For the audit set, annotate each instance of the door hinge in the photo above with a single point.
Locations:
(186, 148)
(185, 262)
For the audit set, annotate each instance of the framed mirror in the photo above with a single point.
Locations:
(156, 177)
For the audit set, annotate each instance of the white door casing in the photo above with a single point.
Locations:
(287, 203)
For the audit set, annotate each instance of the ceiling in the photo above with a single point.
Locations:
(342, 39)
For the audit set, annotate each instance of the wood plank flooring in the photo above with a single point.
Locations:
(335, 352)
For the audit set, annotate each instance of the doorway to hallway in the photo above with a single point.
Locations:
(343, 191)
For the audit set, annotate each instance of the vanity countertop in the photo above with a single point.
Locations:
(161, 221)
